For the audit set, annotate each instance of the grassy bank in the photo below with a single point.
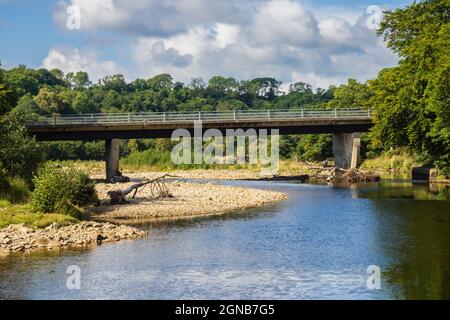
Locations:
(23, 213)
(57, 195)
(394, 162)
(286, 167)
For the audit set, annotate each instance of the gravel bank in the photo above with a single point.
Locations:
(20, 238)
(189, 200)
(210, 174)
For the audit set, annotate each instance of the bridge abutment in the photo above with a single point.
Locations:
(346, 148)
(112, 155)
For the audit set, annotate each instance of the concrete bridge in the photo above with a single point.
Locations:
(344, 124)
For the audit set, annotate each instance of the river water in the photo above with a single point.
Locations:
(316, 245)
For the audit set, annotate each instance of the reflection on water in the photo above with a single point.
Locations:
(405, 190)
(316, 245)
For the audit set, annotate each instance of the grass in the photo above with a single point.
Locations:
(289, 167)
(396, 161)
(22, 213)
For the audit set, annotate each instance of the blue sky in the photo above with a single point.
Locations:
(320, 42)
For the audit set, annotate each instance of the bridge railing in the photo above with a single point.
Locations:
(207, 116)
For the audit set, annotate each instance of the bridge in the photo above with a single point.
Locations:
(345, 124)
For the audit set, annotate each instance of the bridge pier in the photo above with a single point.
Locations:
(346, 147)
(112, 155)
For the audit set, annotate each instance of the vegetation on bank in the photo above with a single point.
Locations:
(59, 195)
(62, 190)
(23, 213)
(399, 161)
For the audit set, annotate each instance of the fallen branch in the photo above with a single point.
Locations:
(158, 189)
(352, 176)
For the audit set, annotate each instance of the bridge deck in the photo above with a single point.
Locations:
(155, 125)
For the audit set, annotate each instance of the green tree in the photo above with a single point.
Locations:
(82, 103)
(316, 147)
(19, 153)
(23, 80)
(353, 95)
(232, 104)
(160, 82)
(221, 87)
(26, 106)
(7, 98)
(412, 100)
(49, 101)
(79, 80)
(115, 82)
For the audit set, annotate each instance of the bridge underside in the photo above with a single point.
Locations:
(346, 140)
(125, 131)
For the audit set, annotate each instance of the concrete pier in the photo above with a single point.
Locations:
(346, 147)
(112, 155)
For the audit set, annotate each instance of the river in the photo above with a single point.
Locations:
(318, 244)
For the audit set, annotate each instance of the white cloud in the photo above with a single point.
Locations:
(336, 30)
(147, 17)
(283, 21)
(246, 39)
(70, 59)
(226, 34)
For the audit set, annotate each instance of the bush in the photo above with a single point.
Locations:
(62, 190)
(18, 191)
(20, 154)
(15, 190)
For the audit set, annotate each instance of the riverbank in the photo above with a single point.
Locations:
(28, 231)
(22, 238)
(187, 200)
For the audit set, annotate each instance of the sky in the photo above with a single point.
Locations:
(319, 42)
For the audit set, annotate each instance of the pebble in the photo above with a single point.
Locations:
(21, 238)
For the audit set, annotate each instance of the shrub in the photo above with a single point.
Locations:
(20, 154)
(62, 190)
(18, 190)
(15, 190)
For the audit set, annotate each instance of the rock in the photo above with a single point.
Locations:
(53, 244)
(41, 242)
(19, 238)
(4, 252)
(53, 226)
(96, 236)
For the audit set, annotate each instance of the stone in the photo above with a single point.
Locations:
(22, 228)
(53, 244)
(41, 242)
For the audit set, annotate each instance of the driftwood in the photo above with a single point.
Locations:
(339, 175)
(158, 189)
